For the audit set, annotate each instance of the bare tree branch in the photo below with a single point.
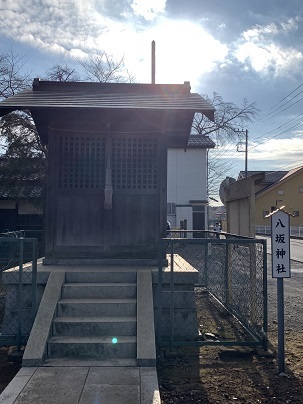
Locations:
(104, 68)
(12, 76)
(229, 118)
(217, 168)
(61, 72)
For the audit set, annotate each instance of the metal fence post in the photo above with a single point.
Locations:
(159, 293)
(253, 283)
(206, 265)
(172, 295)
(281, 339)
(228, 283)
(19, 294)
(265, 319)
(34, 278)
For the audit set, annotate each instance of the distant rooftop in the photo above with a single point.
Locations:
(200, 142)
(21, 185)
(291, 172)
(25, 191)
(270, 177)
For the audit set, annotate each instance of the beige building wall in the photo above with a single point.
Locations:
(240, 206)
(288, 193)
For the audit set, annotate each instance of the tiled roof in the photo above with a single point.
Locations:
(274, 178)
(270, 177)
(24, 184)
(73, 95)
(20, 192)
(200, 142)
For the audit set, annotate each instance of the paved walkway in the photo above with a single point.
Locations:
(83, 385)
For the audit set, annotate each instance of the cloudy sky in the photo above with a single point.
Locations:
(238, 48)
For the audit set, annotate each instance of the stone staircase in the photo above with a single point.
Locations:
(96, 317)
(103, 317)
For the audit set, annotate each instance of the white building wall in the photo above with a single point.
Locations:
(186, 181)
(186, 175)
(172, 219)
(184, 213)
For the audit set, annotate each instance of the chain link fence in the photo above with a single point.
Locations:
(213, 291)
(18, 287)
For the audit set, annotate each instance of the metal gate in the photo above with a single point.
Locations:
(18, 287)
(212, 291)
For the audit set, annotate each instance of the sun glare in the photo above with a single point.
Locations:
(184, 50)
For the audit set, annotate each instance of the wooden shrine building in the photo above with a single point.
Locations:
(107, 162)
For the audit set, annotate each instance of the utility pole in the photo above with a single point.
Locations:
(246, 148)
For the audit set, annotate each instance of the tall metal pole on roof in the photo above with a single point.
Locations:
(153, 58)
(246, 151)
(246, 147)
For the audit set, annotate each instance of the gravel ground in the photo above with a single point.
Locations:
(221, 375)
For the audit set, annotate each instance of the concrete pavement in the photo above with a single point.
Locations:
(83, 385)
(296, 248)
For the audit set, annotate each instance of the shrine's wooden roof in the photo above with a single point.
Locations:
(110, 96)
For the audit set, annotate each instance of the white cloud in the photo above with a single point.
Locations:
(291, 24)
(279, 151)
(261, 48)
(258, 31)
(63, 23)
(184, 50)
(270, 57)
(148, 9)
(272, 154)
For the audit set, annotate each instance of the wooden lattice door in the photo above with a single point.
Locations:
(106, 192)
(80, 190)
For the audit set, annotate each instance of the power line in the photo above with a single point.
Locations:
(268, 113)
(229, 152)
(281, 126)
(285, 108)
(278, 134)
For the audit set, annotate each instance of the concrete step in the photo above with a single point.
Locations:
(101, 276)
(98, 290)
(95, 326)
(89, 362)
(96, 307)
(92, 347)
